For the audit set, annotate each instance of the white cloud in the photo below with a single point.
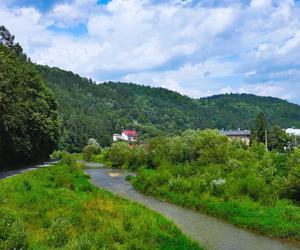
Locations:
(194, 48)
(261, 4)
(64, 14)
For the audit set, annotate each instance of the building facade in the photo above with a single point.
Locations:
(127, 135)
(242, 135)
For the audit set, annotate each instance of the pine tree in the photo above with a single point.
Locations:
(259, 132)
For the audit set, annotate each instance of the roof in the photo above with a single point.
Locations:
(130, 132)
(237, 132)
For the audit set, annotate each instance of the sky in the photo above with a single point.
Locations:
(195, 47)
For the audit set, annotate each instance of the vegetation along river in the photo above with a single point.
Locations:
(210, 232)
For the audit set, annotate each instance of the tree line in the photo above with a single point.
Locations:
(91, 110)
(29, 118)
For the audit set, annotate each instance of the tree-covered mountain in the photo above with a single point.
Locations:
(240, 110)
(98, 110)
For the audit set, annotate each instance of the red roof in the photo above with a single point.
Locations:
(130, 132)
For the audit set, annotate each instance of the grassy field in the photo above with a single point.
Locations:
(58, 208)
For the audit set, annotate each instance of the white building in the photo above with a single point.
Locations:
(127, 135)
(242, 135)
(293, 131)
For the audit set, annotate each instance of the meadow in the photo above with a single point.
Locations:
(58, 208)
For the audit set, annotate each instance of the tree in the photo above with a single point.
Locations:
(29, 119)
(92, 148)
(293, 178)
(92, 141)
(259, 133)
(7, 39)
(278, 139)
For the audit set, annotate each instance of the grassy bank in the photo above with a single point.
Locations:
(279, 220)
(247, 186)
(57, 207)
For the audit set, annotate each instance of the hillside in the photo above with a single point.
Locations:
(239, 110)
(91, 110)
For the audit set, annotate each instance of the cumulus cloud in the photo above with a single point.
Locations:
(194, 47)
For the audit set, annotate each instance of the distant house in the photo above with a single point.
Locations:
(127, 135)
(293, 131)
(243, 135)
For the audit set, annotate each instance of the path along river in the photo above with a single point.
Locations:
(210, 232)
(9, 173)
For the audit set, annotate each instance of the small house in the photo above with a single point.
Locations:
(127, 135)
(243, 135)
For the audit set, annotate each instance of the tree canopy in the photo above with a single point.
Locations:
(29, 120)
(99, 110)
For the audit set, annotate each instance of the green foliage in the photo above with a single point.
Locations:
(278, 139)
(99, 110)
(63, 210)
(13, 234)
(293, 178)
(56, 155)
(29, 120)
(249, 187)
(90, 150)
(260, 129)
(119, 155)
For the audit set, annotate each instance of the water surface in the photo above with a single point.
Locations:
(210, 232)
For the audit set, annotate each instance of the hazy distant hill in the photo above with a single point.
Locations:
(91, 110)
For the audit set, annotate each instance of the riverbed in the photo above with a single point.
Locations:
(210, 232)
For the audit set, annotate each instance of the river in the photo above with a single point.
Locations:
(210, 232)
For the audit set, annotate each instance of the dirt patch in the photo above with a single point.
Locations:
(115, 174)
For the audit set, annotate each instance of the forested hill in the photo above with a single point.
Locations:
(239, 110)
(91, 110)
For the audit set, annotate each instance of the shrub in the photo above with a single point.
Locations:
(12, 232)
(70, 160)
(58, 236)
(90, 150)
(293, 178)
(56, 155)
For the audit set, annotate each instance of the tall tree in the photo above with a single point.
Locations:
(259, 132)
(8, 40)
(278, 139)
(29, 120)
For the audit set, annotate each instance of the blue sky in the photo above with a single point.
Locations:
(195, 47)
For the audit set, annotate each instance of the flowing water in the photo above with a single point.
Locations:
(210, 232)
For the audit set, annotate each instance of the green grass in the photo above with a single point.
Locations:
(280, 220)
(57, 207)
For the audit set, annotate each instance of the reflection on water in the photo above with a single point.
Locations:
(208, 231)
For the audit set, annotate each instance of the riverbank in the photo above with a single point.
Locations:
(58, 207)
(281, 220)
(247, 186)
(212, 233)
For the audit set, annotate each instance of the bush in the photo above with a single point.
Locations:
(293, 178)
(58, 236)
(56, 155)
(90, 150)
(12, 232)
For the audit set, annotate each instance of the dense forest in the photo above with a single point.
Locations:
(29, 119)
(98, 110)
